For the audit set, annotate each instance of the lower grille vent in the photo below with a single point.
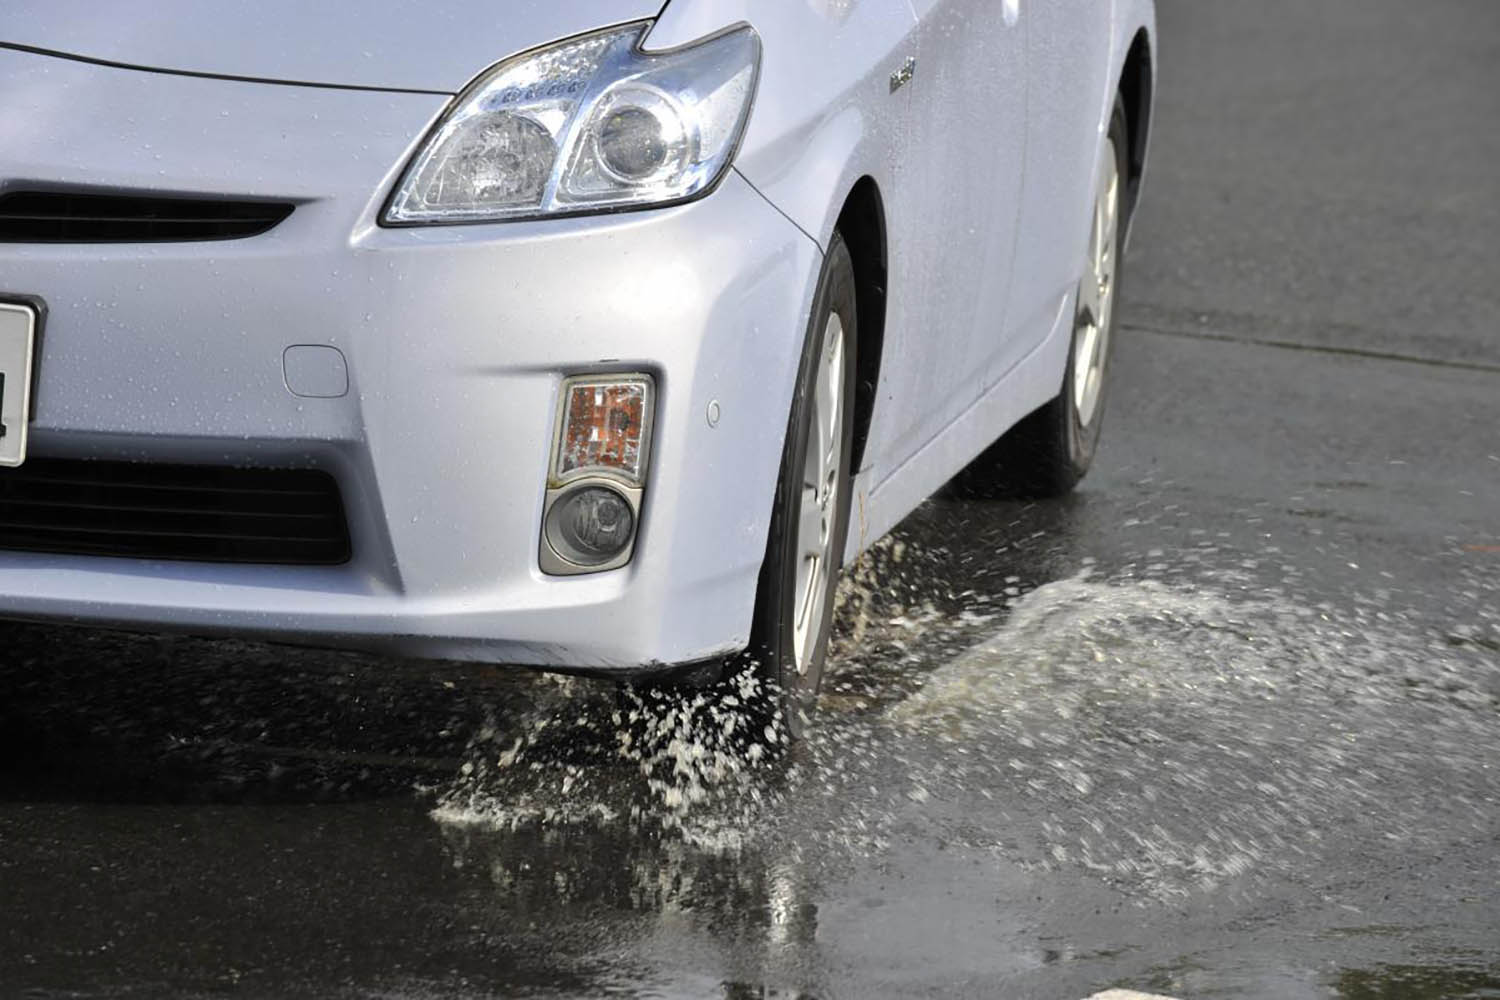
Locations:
(148, 511)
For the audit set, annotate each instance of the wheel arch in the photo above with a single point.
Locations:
(862, 224)
(1137, 91)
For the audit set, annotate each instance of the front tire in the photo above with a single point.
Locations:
(1048, 452)
(810, 516)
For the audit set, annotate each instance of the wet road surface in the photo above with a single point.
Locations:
(1225, 723)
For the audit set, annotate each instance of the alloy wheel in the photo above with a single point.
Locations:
(819, 500)
(1096, 293)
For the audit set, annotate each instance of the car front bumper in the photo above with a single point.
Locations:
(456, 340)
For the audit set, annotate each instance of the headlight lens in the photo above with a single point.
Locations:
(589, 124)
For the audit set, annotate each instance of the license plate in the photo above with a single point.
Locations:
(17, 347)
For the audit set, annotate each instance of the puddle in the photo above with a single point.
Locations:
(1182, 734)
(1165, 736)
(1464, 979)
(1169, 738)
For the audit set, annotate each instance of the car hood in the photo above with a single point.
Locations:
(430, 45)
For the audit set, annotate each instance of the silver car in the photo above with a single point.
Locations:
(583, 335)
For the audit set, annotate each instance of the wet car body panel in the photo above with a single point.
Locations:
(379, 44)
(172, 352)
(988, 278)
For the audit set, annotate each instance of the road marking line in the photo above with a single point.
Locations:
(1126, 995)
(1162, 330)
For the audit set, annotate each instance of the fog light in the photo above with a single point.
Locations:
(597, 475)
(591, 525)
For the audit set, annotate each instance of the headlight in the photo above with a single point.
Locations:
(590, 124)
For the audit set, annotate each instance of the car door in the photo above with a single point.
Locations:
(962, 165)
(1068, 43)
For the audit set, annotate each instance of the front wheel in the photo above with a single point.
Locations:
(810, 517)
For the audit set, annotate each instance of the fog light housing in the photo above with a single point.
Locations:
(590, 526)
(597, 475)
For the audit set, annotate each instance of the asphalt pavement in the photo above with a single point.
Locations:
(1226, 723)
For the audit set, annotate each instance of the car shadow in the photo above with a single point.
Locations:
(95, 715)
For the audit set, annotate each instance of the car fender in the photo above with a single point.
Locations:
(819, 123)
(1131, 17)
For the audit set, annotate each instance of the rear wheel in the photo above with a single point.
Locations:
(1047, 453)
(810, 518)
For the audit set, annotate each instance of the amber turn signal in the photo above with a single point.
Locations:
(605, 428)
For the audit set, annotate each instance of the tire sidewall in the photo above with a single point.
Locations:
(772, 641)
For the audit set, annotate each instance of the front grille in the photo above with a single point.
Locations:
(147, 511)
(74, 217)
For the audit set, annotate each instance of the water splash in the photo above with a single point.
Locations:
(1169, 738)
(1165, 729)
(655, 760)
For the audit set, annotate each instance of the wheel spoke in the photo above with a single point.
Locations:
(1109, 213)
(810, 526)
(805, 600)
(1095, 260)
(835, 370)
(827, 402)
(1083, 350)
(808, 618)
(818, 439)
(1088, 299)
